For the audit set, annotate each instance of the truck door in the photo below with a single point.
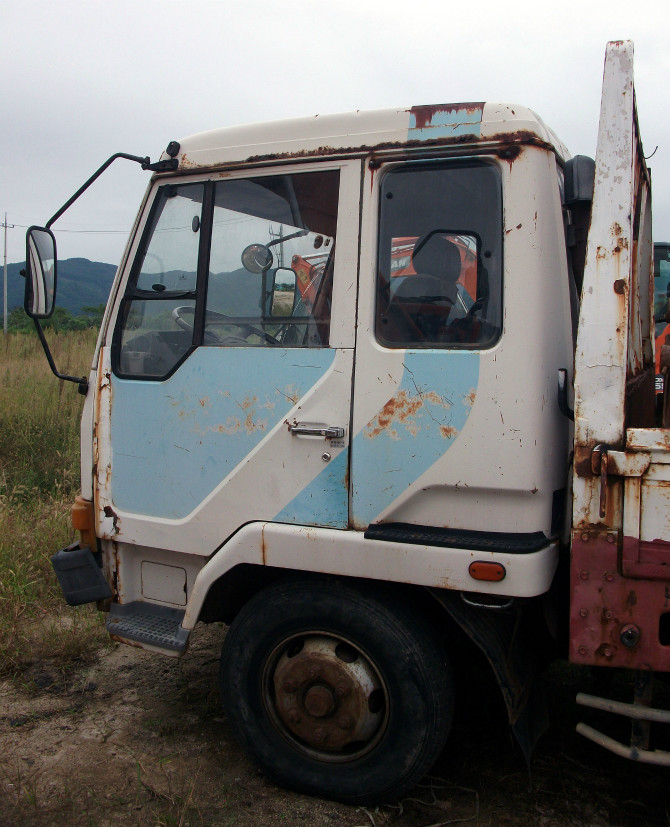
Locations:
(225, 388)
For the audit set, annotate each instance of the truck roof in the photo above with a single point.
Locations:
(362, 132)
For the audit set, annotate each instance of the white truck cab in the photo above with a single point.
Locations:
(330, 405)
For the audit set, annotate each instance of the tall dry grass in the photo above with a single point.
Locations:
(39, 477)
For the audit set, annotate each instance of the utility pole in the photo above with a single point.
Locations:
(4, 283)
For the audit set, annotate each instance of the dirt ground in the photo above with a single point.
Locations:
(135, 738)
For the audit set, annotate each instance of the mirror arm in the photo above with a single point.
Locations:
(159, 166)
(82, 381)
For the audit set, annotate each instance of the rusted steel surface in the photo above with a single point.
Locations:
(646, 560)
(504, 144)
(614, 620)
(326, 695)
(402, 410)
(425, 115)
(613, 361)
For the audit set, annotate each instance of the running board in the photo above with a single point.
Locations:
(151, 626)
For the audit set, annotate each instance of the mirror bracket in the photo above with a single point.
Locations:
(81, 381)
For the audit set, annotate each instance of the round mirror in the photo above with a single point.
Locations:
(256, 258)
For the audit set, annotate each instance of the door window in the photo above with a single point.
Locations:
(233, 263)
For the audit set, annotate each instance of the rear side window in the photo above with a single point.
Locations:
(439, 274)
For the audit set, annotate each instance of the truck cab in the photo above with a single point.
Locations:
(330, 405)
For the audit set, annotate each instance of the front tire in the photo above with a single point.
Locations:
(337, 690)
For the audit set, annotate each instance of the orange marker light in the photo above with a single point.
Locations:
(493, 572)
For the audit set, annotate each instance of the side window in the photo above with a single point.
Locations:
(233, 263)
(154, 332)
(439, 275)
(271, 261)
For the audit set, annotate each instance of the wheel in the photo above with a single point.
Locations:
(335, 691)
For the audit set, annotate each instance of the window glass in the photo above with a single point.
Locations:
(157, 318)
(153, 340)
(271, 260)
(270, 244)
(171, 256)
(440, 257)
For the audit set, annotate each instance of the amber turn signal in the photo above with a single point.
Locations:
(481, 570)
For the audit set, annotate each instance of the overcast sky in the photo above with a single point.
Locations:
(82, 80)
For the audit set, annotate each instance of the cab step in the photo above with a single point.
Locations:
(153, 626)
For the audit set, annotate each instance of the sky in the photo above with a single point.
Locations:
(82, 80)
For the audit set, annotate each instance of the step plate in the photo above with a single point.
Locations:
(146, 623)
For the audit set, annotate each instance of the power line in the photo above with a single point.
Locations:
(4, 283)
(98, 232)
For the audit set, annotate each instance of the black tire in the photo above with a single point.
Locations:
(335, 690)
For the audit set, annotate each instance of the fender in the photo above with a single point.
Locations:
(350, 554)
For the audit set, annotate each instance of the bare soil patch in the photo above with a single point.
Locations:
(134, 738)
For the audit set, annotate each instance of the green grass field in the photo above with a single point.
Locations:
(39, 478)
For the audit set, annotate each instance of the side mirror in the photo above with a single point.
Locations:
(257, 258)
(283, 292)
(41, 263)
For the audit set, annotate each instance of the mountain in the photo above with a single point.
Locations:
(80, 283)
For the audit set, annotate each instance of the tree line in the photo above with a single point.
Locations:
(60, 320)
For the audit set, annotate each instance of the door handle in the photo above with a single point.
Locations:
(327, 431)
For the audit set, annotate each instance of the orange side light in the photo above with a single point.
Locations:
(481, 570)
(83, 521)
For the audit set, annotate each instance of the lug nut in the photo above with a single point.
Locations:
(341, 689)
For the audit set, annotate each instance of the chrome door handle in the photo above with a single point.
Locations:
(327, 431)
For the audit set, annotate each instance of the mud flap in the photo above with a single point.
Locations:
(500, 634)
(79, 575)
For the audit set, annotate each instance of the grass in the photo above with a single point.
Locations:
(39, 477)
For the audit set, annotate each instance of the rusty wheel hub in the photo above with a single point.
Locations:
(325, 694)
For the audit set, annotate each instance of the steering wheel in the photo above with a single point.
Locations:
(214, 315)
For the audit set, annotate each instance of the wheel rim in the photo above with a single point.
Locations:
(325, 696)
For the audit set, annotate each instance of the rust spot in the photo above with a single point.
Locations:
(248, 402)
(469, 399)
(583, 466)
(402, 409)
(116, 573)
(448, 432)
(109, 512)
(619, 286)
(423, 115)
(509, 154)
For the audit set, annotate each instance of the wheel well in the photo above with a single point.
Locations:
(231, 591)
